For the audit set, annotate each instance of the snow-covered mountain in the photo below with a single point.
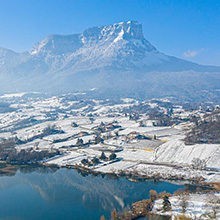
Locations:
(114, 58)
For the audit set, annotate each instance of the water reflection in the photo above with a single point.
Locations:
(65, 193)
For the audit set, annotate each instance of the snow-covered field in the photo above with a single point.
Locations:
(151, 151)
(176, 152)
(193, 206)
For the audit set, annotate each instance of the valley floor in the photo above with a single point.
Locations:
(86, 129)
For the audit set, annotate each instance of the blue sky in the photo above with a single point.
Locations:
(183, 28)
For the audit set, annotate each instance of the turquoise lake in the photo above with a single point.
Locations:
(45, 193)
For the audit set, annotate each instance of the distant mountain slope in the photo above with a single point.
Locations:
(115, 59)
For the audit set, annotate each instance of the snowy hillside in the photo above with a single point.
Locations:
(115, 59)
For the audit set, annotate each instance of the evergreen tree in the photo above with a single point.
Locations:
(79, 142)
(103, 156)
(112, 156)
(166, 204)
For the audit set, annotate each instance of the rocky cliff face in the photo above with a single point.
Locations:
(116, 58)
(97, 47)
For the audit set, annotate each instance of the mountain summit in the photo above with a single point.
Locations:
(114, 58)
(123, 31)
(96, 47)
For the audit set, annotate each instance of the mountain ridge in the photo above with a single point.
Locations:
(95, 58)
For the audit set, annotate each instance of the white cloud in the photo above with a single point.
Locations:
(192, 53)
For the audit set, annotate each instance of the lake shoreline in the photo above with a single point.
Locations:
(199, 187)
(11, 169)
(69, 191)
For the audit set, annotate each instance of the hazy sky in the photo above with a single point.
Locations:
(183, 28)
